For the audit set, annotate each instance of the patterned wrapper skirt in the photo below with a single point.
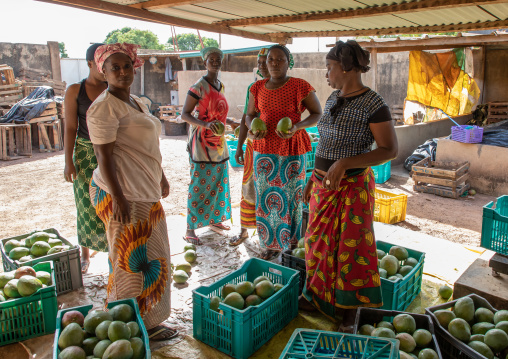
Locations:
(279, 182)
(91, 231)
(209, 201)
(340, 250)
(139, 258)
(248, 203)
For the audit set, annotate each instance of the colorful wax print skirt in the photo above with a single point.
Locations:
(209, 201)
(248, 203)
(139, 258)
(91, 231)
(340, 250)
(279, 182)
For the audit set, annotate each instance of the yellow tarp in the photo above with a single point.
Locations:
(437, 80)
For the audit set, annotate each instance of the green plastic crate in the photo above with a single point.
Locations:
(373, 316)
(397, 295)
(86, 308)
(239, 333)
(30, 317)
(311, 157)
(382, 173)
(495, 226)
(67, 265)
(308, 344)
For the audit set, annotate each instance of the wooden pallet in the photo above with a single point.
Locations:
(497, 111)
(169, 113)
(6, 75)
(50, 136)
(446, 179)
(15, 141)
(10, 94)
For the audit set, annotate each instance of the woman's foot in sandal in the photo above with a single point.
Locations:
(268, 254)
(190, 237)
(221, 226)
(84, 266)
(85, 259)
(162, 332)
(239, 239)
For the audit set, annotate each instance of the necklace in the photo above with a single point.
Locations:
(350, 93)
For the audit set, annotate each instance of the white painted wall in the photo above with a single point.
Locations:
(73, 70)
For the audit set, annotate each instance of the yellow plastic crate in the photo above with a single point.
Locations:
(390, 208)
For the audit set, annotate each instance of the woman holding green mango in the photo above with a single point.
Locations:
(279, 151)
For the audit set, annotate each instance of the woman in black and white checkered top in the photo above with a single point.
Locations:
(341, 256)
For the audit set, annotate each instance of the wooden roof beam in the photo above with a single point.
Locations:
(489, 25)
(162, 4)
(394, 9)
(138, 14)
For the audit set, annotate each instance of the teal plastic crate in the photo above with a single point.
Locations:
(495, 226)
(67, 265)
(398, 294)
(312, 130)
(307, 344)
(232, 153)
(86, 308)
(373, 316)
(239, 333)
(29, 317)
(311, 157)
(382, 173)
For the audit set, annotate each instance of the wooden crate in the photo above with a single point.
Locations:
(15, 141)
(6, 75)
(50, 136)
(446, 179)
(497, 111)
(169, 113)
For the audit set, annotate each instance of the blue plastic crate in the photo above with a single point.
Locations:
(239, 333)
(232, 153)
(399, 294)
(495, 226)
(307, 343)
(312, 130)
(382, 173)
(86, 308)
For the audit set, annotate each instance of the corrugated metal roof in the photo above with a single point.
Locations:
(232, 51)
(276, 20)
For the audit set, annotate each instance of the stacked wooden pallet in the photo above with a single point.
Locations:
(446, 179)
(47, 130)
(498, 111)
(170, 113)
(58, 86)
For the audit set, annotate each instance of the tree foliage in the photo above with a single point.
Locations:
(145, 38)
(63, 52)
(191, 42)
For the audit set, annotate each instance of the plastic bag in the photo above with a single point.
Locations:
(428, 149)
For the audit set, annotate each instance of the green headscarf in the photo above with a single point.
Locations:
(210, 50)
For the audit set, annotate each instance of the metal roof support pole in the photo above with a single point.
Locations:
(373, 68)
(142, 79)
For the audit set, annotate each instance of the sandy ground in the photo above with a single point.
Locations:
(35, 195)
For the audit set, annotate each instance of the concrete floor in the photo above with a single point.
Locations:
(445, 262)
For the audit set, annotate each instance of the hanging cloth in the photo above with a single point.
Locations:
(169, 70)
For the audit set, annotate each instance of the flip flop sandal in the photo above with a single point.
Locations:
(237, 240)
(221, 226)
(192, 240)
(269, 254)
(158, 333)
(84, 266)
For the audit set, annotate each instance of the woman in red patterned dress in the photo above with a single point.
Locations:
(279, 158)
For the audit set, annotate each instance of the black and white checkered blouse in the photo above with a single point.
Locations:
(348, 133)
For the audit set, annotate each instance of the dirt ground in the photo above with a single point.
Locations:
(35, 195)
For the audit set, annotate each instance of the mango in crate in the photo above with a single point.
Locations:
(235, 300)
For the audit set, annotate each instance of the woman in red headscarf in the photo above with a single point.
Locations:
(126, 189)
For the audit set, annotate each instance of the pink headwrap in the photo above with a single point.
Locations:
(105, 51)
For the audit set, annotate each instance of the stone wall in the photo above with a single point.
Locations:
(26, 56)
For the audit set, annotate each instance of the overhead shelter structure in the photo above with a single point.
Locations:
(281, 20)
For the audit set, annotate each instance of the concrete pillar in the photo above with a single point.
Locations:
(142, 79)
(54, 54)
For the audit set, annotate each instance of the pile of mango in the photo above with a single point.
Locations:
(101, 335)
(480, 328)
(36, 245)
(23, 282)
(413, 342)
(246, 294)
(182, 271)
(396, 264)
(299, 251)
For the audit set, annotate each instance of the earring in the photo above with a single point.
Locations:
(345, 72)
